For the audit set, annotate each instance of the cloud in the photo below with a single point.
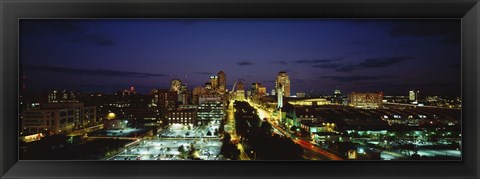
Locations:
(328, 65)
(203, 73)
(96, 38)
(280, 62)
(315, 61)
(378, 62)
(382, 61)
(245, 63)
(90, 72)
(356, 78)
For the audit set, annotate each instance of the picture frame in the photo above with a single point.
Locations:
(11, 11)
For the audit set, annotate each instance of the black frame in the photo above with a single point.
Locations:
(12, 10)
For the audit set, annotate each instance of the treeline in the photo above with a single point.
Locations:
(258, 136)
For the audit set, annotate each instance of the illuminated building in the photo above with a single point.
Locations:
(279, 97)
(365, 100)
(284, 82)
(413, 96)
(337, 97)
(222, 82)
(314, 127)
(63, 96)
(182, 116)
(127, 92)
(175, 85)
(214, 82)
(273, 92)
(211, 111)
(58, 118)
(240, 91)
(300, 95)
(262, 90)
(164, 99)
(309, 102)
(184, 97)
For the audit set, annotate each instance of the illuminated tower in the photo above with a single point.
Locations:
(222, 82)
(284, 82)
(175, 85)
(280, 97)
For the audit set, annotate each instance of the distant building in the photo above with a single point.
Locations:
(300, 95)
(313, 127)
(176, 85)
(182, 116)
(284, 82)
(63, 96)
(58, 118)
(365, 100)
(222, 82)
(413, 96)
(337, 97)
(262, 90)
(309, 101)
(214, 82)
(240, 92)
(165, 99)
(273, 92)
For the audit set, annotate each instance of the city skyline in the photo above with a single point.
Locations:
(319, 55)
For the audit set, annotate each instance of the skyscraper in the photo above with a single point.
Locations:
(284, 82)
(175, 85)
(214, 82)
(222, 82)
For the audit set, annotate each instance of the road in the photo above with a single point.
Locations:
(311, 151)
(231, 130)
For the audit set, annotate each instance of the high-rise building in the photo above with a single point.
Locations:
(222, 82)
(284, 82)
(176, 85)
(255, 87)
(337, 97)
(214, 82)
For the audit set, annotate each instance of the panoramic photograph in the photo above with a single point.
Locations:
(240, 89)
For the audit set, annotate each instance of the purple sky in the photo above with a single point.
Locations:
(390, 55)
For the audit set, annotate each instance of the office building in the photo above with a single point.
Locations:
(284, 82)
(58, 118)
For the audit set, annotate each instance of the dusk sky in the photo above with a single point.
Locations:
(319, 55)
